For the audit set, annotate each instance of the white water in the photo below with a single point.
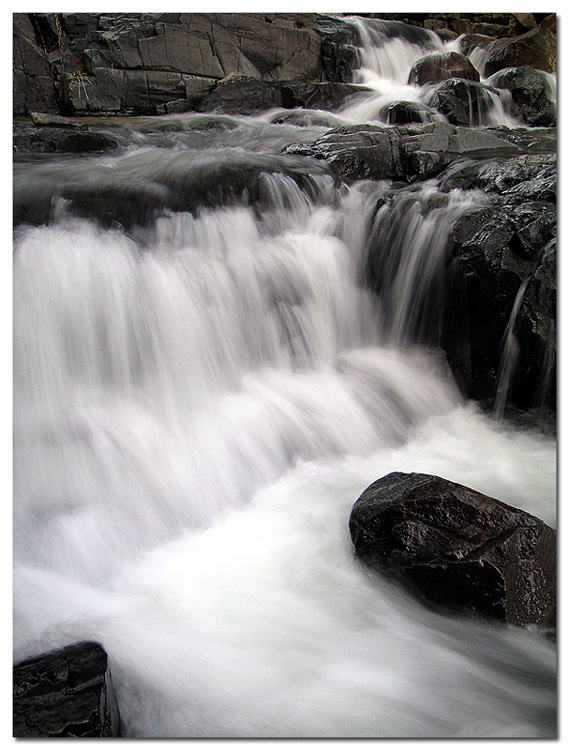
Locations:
(386, 62)
(195, 412)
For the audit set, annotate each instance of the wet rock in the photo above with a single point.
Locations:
(65, 138)
(415, 151)
(463, 102)
(150, 183)
(339, 54)
(402, 113)
(440, 66)
(497, 250)
(303, 119)
(536, 48)
(355, 152)
(470, 42)
(241, 95)
(532, 99)
(66, 693)
(326, 95)
(457, 548)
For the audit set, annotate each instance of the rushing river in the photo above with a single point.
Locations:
(200, 398)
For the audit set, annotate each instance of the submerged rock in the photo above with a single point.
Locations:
(66, 693)
(457, 548)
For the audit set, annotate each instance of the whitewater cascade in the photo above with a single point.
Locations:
(198, 402)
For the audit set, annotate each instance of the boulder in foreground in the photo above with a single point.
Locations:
(65, 693)
(457, 548)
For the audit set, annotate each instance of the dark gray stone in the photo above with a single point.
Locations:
(439, 66)
(321, 95)
(463, 102)
(532, 99)
(241, 95)
(457, 548)
(66, 693)
(536, 48)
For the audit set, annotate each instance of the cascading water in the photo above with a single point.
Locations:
(198, 402)
(389, 51)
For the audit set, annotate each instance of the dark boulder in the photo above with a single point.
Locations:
(470, 42)
(241, 95)
(73, 138)
(326, 95)
(457, 548)
(442, 65)
(536, 48)
(464, 102)
(533, 101)
(402, 113)
(66, 693)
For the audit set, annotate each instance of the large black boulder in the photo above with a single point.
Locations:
(65, 693)
(457, 548)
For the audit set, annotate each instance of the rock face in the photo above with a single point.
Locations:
(65, 693)
(457, 548)
(536, 48)
(502, 250)
(156, 63)
(441, 66)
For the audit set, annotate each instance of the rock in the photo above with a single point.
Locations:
(497, 249)
(150, 183)
(536, 48)
(440, 66)
(305, 119)
(457, 548)
(355, 152)
(464, 102)
(66, 137)
(241, 95)
(66, 693)
(415, 151)
(326, 95)
(470, 42)
(339, 54)
(533, 101)
(402, 113)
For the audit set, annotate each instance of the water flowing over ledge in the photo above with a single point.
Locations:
(221, 338)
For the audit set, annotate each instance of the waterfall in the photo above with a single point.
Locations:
(200, 396)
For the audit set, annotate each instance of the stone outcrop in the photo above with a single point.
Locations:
(152, 63)
(497, 250)
(415, 151)
(458, 549)
(66, 693)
